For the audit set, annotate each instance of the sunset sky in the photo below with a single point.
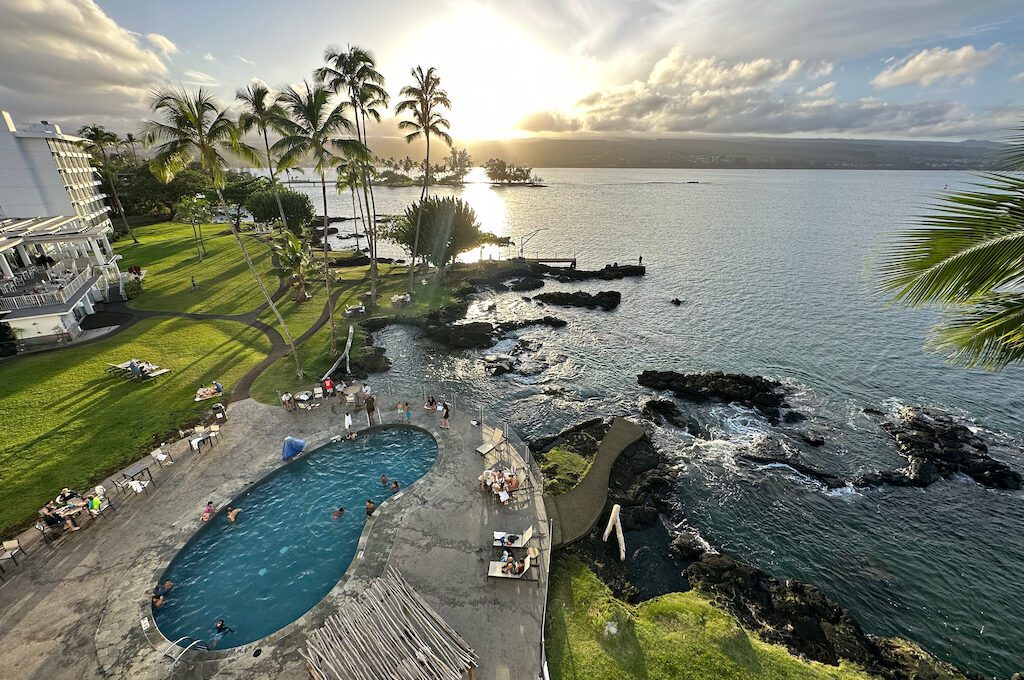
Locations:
(942, 69)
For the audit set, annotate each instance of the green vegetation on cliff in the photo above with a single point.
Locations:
(591, 635)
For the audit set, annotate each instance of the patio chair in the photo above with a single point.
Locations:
(120, 484)
(318, 392)
(105, 503)
(160, 456)
(198, 438)
(521, 540)
(50, 534)
(11, 550)
(213, 434)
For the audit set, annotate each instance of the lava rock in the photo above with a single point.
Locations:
(638, 517)
(812, 437)
(793, 417)
(752, 390)
(526, 283)
(606, 299)
(937, 446)
(609, 272)
(686, 547)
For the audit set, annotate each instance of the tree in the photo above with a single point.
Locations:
(297, 207)
(458, 164)
(262, 112)
(130, 140)
(238, 187)
(97, 140)
(195, 129)
(353, 74)
(501, 172)
(195, 211)
(293, 263)
(311, 130)
(967, 255)
(424, 100)
(448, 226)
(350, 176)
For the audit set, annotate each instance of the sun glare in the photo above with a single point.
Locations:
(495, 73)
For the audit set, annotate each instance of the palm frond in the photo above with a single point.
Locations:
(989, 335)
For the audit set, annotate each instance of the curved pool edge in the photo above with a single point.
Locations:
(218, 654)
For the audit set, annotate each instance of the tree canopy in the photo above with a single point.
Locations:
(503, 172)
(298, 208)
(448, 226)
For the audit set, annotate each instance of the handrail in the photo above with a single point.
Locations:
(69, 290)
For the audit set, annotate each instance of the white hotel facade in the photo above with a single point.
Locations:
(56, 261)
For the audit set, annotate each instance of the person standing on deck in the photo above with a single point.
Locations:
(371, 405)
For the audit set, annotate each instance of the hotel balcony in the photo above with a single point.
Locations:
(58, 285)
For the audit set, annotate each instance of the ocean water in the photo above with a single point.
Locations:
(285, 551)
(776, 273)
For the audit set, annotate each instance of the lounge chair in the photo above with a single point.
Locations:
(318, 392)
(521, 541)
(11, 550)
(494, 570)
(156, 374)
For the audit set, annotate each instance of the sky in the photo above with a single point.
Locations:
(901, 69)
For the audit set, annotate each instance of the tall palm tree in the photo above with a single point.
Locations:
(967, 256)
(350, 177)
(98, 140)
(196, 130)
(260, 112)
(130, 141)
(424, 100)
(311, 130)
(353, 74)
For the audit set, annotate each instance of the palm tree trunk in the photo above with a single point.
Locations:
(195, 241)
(371, 207)
(419, 213)
(327, 271)
(356, 217)
(263, 288)
(117, 199)
(273, 179)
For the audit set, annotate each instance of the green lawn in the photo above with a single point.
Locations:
(676, 636)
(68, 423)
(167, 252)
(563, 469)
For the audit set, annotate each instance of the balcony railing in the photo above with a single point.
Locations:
(56, 297)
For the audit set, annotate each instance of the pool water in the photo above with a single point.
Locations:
(286, 552)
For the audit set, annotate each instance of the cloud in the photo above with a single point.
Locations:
(209, 57)
(1019, 78)
(244, 60)
(66, 60)
(934, 64)
(200, 79)
(684, 93)
(162, 43)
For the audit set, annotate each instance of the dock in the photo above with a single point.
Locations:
(569, 262)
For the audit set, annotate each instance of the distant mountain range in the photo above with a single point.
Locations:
(738, 152)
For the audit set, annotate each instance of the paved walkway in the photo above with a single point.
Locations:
(574, 513)
(76, 611)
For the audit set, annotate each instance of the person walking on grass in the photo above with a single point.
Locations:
(445, 413)
(195, 286)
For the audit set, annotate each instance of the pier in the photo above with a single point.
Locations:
(569, 262)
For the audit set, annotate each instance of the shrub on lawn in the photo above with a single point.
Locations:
(133, 288)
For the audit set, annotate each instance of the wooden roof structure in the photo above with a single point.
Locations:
(388, 632)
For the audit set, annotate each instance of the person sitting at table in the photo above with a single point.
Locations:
(486, 479)
(53, 519)
(512, 481)
(431, 404)
(208, 511)
(66, 495)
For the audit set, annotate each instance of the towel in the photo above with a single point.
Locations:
(348, 421)
(136, 485)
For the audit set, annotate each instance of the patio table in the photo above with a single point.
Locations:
(136, 470)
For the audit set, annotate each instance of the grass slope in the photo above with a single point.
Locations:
(68, 423)
(676, 636)
(167, 253)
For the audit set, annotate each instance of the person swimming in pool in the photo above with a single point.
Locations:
(383, 480)
(395, 486)
(233, 513)
(371, 507)
(338, 513)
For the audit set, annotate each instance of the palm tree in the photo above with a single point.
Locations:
(424, 100)
(196, 130)
(350, 176)
(967, 255)
(293, 262)
(195, 211)
(260, 112)
(98, 140)
(310, 130)
(353, 74)
(130, 141)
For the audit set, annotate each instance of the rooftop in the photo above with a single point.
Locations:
(16, 231)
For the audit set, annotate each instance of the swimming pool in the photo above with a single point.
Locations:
(285, 552)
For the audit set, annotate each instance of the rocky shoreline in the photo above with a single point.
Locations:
(793, 614)
(605, 299)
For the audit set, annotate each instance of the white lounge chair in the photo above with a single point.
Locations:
(160, 457)
(521, 541)
(494, 570)
(318, 392)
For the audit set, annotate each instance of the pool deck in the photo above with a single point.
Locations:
(76, 611)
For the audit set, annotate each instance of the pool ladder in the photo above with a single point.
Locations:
(176, 659)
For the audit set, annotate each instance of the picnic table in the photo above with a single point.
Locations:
(136, 470)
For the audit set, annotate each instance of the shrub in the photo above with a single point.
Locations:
(133, 288)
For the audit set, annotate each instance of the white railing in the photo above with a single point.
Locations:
(51, 298)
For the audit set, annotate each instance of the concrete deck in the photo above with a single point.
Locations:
(76, 611)
(574, 513)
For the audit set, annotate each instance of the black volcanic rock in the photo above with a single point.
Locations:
(936, 446)
(526, 283)
(751, 390)
(606, 299)
(827, 479)
(607, 273)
